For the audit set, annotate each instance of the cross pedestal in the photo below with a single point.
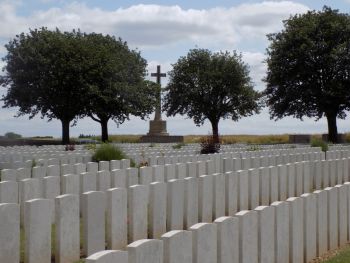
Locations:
(157, 127)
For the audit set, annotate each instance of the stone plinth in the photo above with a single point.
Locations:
(158, 133)
(157, 128)
(162, 139)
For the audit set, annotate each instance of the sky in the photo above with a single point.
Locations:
(163, 31)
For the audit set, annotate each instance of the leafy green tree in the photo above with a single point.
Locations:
(309, 68)
(45, 74)
(210, 86)
(117, 88)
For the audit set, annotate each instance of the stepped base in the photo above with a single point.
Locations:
(162, 139)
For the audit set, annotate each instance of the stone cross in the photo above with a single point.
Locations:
(158, 75)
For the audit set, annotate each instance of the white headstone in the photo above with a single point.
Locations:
(281, 231)
(310, 226)
(157, 209)
(266, 233)
(8, 192)
(37, 243)
(248, 236)
(137, 212)
(204, 236)
(10, 233)
(205, 198)
(117, 218)
(118, 178)
(93, 211)
(190, 202)
(296, 229)
(228, 240)
(67, 229)
(146, 251)
(177, 245)
(175, 204)
(231, 193)
(108, 256)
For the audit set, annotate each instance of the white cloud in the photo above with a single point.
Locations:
(158, 25)
(256, 66)
(2, 64)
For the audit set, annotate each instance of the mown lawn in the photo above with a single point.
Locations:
(343, 256)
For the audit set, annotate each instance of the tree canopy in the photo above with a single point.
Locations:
(117, 88)
(70, 75)
(309, 68)
(210, 86)
(45, 74)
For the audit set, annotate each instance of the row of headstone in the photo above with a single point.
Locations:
(191, 149)
(49, 167)
(236, 152)
(294, 231)
(248, 188)
(60, 170)
(149, 211)
(52, 167)
(161, 160)
(42, 161)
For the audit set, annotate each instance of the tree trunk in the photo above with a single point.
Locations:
(215, 128)
(332, 128)
(65, 131)
(104, 127)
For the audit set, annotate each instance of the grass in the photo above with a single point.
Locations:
(108, 152)
(315, 142)
(341, 256)
(250, 139)
(179, 145)
(227, 139)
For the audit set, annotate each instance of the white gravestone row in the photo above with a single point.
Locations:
(93, 207)
(296, 230)
(211, 195)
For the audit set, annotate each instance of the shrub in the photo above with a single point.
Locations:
(319, 143)
(108, 152)
(12, 135)
(179, 145)
(254, 148)
(209, 144)
(70, 147)
(90, 147)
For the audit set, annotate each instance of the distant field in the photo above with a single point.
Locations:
(253, 139)
(227, 139)
(256, 139)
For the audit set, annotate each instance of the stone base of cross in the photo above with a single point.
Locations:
(157, 127)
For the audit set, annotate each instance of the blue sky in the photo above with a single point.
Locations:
(163, 31)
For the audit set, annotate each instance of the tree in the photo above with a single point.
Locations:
(210, 86)
(117, 88)
(309, 68)
(12, 135)
(44, 74)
